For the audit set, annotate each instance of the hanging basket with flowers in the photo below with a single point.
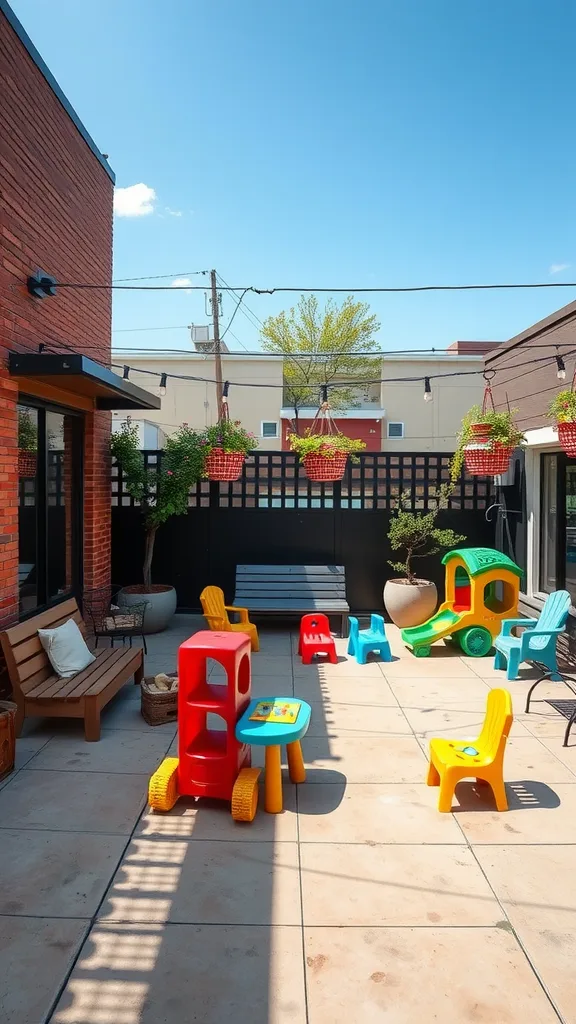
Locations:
(322, 449)
(562, 408)
(487, 439)
(226, 446)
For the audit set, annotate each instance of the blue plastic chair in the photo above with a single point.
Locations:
(361, 641)
(538, 641)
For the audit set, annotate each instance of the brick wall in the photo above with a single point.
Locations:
(57, 216)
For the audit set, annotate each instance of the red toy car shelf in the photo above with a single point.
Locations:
(315, 638)
(210, 762)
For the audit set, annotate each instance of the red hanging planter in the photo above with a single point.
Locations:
(487, 458)
(27, 462)
(567, 437)
(325, 470)
(221, 465)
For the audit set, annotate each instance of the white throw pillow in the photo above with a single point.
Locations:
(66, 649)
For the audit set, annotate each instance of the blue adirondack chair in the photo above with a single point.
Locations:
(361, 641)
(538, 641)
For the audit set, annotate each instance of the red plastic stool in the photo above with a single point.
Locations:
(315, 638)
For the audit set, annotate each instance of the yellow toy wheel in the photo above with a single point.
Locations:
(163, 786)
(245, 795)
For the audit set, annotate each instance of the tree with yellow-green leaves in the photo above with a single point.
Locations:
(324, 346)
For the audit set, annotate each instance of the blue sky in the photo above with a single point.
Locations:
(319, 143)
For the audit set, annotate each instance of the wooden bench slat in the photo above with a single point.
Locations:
(28, 648)
(27, 629)
(127, 659)
(61, 688)
(261, 604)
(286, 570)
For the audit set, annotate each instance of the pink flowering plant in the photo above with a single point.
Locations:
(228, 436)
(161, 490)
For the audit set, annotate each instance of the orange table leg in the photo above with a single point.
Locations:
(273, 781)
(296, 762)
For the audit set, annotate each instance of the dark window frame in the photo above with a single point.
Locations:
(563, 461)
(42, 538)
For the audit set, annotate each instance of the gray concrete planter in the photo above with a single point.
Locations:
(160, 605)
(410, 604)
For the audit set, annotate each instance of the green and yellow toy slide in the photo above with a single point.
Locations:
(482, 589)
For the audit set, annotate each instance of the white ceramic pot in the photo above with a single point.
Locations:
(160, 605)
(410, 604)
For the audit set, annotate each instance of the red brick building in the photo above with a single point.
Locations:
(56, 390)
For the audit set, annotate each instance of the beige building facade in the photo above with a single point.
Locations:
(391, 416)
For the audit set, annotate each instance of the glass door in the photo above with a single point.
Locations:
(50, 504)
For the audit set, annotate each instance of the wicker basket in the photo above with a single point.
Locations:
(7, 737)
(489, 459)
(158, 706)
(321, 469)
(567, 438)
(221, 465)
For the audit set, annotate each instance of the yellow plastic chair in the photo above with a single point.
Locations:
(216, 615)
(451, 760)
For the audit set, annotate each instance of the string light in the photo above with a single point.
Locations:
(561, 371)
(163, 378)
(126, 373)
(428, 396)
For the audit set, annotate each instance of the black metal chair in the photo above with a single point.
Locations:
(107, 619)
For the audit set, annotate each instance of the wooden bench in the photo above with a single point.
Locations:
(38, 691)
(293, 590)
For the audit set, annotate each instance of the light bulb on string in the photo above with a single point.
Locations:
(561, 368)
(126, 373)
(428, 396)
(163, 377)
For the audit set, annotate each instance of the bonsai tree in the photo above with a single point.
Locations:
(162, 490)
(500, 430)
(417, 536)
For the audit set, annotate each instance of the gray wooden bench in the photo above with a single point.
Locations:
(293, 590)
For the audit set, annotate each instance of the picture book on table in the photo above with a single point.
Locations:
(276, 711)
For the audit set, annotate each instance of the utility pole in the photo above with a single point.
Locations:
(217, 349)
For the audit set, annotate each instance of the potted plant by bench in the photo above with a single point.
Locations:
(226, 446)
(27, 444)
(410, 600)
(161, 491)
(324, 455)
(486, 441)
(562, 409)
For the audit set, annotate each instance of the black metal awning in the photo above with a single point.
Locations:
(82, 376)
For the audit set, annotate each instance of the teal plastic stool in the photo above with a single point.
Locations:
(273, 735)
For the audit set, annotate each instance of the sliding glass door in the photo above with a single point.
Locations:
(558, 524)
(50, 504)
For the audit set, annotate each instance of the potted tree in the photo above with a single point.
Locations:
(562, 409)
(27, 444)
(410, 600)
(162, 491)
(324, 455)
(486, 442)
(226, 446)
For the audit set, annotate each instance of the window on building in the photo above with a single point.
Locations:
(549, 523)
(395, 430)
(269, 428)
(50, 504)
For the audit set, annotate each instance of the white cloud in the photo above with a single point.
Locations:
(173, 213)
(557, 268)
(134, 201)
(182, 282)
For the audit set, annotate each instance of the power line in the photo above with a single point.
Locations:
(160, 277)
(329, 291)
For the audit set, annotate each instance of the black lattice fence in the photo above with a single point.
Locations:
(274, 514)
